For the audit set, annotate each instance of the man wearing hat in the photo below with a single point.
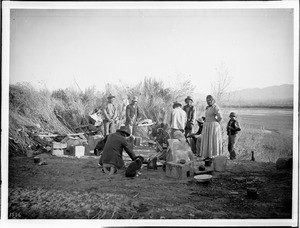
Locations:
(232, 129)
(111, 158)
(190, 114)
(110, 116)
(132, 114)
(178, 119)
(195, 139)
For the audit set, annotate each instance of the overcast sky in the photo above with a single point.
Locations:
(54, 48)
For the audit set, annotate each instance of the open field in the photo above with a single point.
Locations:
(76, 188)
(268, 132)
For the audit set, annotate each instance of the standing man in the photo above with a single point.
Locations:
(125, 102)
(191, 115)
(178, 119)
(110, 116)
(132, 114)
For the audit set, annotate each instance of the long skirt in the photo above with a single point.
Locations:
(211, 140)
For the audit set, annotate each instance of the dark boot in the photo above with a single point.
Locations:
(152, 163)
(232, 155)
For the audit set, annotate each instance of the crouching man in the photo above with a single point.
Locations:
(111, 158)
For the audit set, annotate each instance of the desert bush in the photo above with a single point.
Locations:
(30, 110)
(155, 100)
(21, 99)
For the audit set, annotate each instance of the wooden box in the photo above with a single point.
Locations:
(77, 151)
(70, 151)
(138, 141)
(58, 149)
(93, 140)
(87, 150)
(58, 152)
(179, 171)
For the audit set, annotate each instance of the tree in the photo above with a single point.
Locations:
(222, 84)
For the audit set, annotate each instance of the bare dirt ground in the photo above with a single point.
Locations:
(77, 188)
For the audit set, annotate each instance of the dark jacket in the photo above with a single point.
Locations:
(199, 129)
(190, 113)
(132, 113)
(198, 132)
(235, 127)
(113, 149)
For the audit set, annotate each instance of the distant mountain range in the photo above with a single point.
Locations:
(281, 95)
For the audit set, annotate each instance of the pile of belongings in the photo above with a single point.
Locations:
(145, 123)
(161, 137)
(96, 117)
(72, 141)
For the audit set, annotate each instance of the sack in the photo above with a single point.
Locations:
(178, 151)
(181, 155)
(152, 163)
(97, 118)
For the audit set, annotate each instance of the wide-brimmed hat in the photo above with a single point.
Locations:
(110, 96)
(140, 157)
(188, 98)
(134, 98)
(124, 129)
(200, 120)
(177, 103)
(232, 114)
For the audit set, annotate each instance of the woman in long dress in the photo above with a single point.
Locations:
(211, 138)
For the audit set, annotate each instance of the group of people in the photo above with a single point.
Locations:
(205, 143)
(110, 115)
(118, 140)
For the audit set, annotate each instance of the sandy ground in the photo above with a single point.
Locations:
(77, 188)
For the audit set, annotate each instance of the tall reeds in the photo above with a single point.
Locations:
(64, 110)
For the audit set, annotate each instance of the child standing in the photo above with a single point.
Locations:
(232, 130)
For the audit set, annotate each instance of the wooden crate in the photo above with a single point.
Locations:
(93, 140)
(179, 171)
(58, 149)
(87, 150)
(77, 151)
(58, 152)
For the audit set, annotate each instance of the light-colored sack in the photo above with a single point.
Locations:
(97, 117)
(178, 151)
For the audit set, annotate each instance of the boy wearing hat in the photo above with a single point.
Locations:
(111, 158)
(132, 114)
(232, 129)
(110, 116)
(190, 114)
